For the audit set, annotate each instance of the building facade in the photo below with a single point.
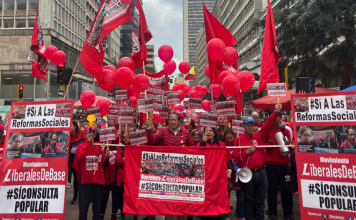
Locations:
(65, 24)
(150, 56)
(193, 20)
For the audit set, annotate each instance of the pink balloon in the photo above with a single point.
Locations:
(207, 71)
(126, 62)
(247, 80)
(184, 67)
(125, 77)
(49, 52)
(58, 57)
(165, 53)
(109, 67)
(141, 83)
(231, 85)
(204, 90)
(109, 78)
(230, 56)
(223, 75)
(170, 67)
(182, 95)
(216, 90)
(215, 49)
(205, 105)
(133, 100)
(193, 94)
(87, 98)
(104, 106)
(180, 108)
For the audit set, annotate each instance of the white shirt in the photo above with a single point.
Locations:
(175, 132)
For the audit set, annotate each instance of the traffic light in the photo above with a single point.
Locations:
(20, 92)
(60, 74)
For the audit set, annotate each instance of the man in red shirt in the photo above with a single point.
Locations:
(350, 139)
(253, 157)
(52, 147)
(89, 160)
(2, 138)
(279, 174)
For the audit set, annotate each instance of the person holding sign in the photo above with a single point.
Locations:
(252, 157)
(88, 162)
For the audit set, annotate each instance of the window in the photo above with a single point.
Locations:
(0, 5)
(32, 4)
(31, 22)
(20, 23)
(9, 84)
(21, 4)
(9, 23)
(9, 5)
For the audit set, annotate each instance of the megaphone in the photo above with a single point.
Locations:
(279, 139)
(244, 174)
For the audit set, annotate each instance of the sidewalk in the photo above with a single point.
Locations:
(72, 211)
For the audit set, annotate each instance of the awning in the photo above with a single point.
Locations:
(5, 109)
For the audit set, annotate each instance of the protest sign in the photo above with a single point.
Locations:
(164, 112)
(120, 94)
(208, 120)
(157, 107)
(237, 127)
(107, 134)
(325, 154)
(194, 103)
(138, 137)
(112, 117)
(175, 180)
(192, 114)
(126, 116)
(351, 102)
(145, 105)
(226, 108)
(113, 106)
(131, 127)
(276, 89)
(173, 98)
(35, 160)
(95, 112)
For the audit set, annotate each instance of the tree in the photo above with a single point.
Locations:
(317, 39)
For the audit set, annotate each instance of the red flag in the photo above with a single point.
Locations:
(111, 14)
(270, 55)
(141, 34)
(214, 29)
(37, 41)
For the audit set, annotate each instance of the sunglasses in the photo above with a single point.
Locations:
(196, 134)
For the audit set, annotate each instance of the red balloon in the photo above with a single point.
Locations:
(234, 71)
(193, 94)
(223, 75)
(133, 100)
(175, 88)
(87, 98)
(141, 83)
(182, 95)
(247, 80)
(189, 87)
(165, 53)
(230, 56)
(170, 67)
(204, 90)
(225, 94)
(109, 67)
(184, 67)
(104, 105)
(231, 85)
(207, 71)
(58, 57)
(180, 108)
(49, 51)
(126, 62)
(193, 88)
(198, 88)
(109, 78)
(186, 90)
(125, 77)
(216, 90)
(205, 105)
(182, 86)
(215, 49)
(132, 91)
(200, 95)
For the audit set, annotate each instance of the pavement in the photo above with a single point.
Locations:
(72, 211)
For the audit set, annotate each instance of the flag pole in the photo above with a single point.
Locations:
(70, 81)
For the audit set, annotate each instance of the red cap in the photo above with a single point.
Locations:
(2, 127)
(86, 129)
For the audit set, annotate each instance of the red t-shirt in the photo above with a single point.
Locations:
(273, 156)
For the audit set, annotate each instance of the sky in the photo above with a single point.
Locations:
(165, 20)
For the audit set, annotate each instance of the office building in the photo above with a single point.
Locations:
(65, 24)
(150, 56)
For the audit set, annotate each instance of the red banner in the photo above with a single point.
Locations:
(325, 155)
(33, 173)
(175, 181)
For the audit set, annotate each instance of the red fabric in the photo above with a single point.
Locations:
(216, 194)
(110, 170)
(167, 138)
(259, 125)
(269, 102)
(37, 41)
(273, 156)
(256, 159)
(270, 55)
(93, 53)
(214, 29)
(120, 175)
(141, 35)
(40, 67)
(222, 144)
(87, 176)
(190, 77)
(1, 152)
(74, 138)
